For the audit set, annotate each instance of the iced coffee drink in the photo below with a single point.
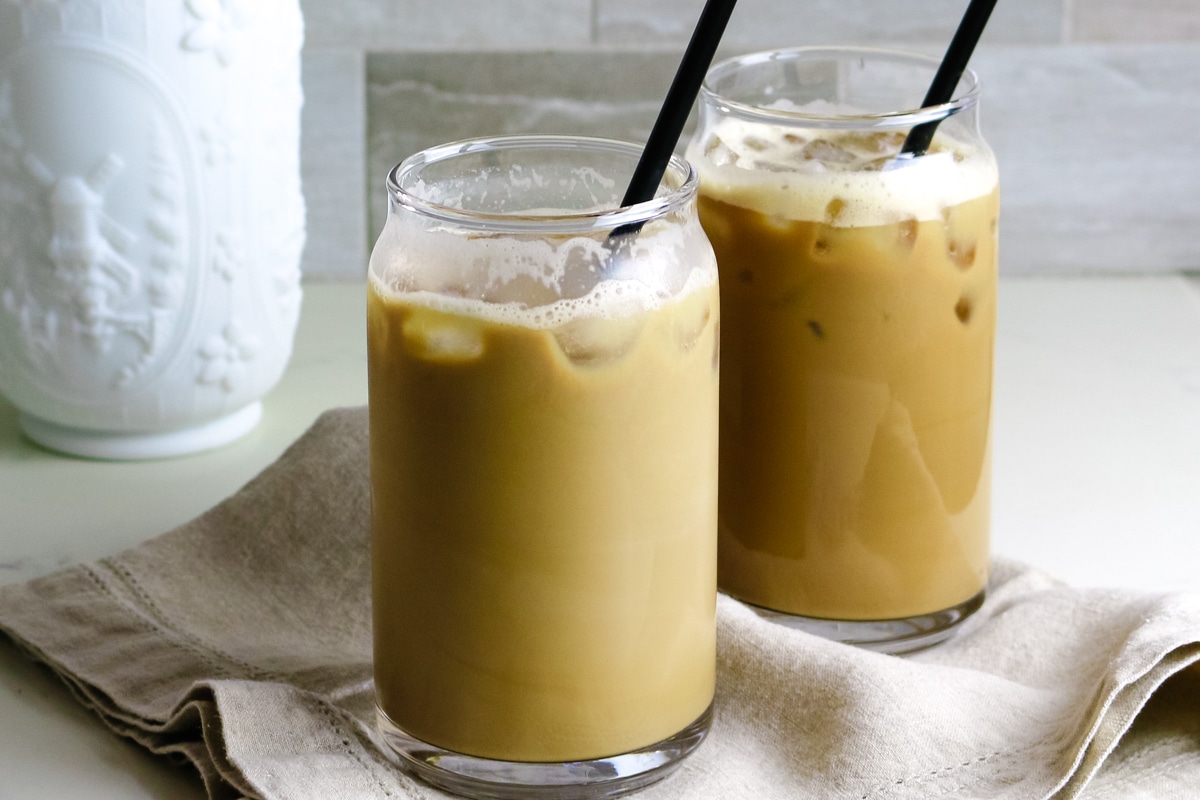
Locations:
(859, 296)
(543, 410)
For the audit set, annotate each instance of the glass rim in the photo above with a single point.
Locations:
(400, 178)
(889, 119)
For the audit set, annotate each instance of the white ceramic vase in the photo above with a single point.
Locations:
(151, 219)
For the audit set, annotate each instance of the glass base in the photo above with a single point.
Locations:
(472, 776)
(120, 446)
(893, 636)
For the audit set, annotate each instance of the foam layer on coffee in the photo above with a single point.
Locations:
(543, 283)
(842, 178)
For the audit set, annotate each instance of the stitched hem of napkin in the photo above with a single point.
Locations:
(178, 708)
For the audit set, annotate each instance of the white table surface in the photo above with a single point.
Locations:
(1097, 481)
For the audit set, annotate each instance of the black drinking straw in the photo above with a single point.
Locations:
(949, 73)
(676, 106)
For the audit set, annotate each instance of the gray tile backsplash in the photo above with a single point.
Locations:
(1125, 21)
(332, 154)
(1091, 105)
(1099, 155)
(449, 24)
(759, 24)
(419, 100)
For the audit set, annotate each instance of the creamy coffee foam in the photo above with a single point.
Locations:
(842, 178)
(542, 283)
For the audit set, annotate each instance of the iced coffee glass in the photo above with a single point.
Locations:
(859, 296)
(543, 420)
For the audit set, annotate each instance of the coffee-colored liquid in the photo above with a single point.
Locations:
(544, 524)
(855, 397)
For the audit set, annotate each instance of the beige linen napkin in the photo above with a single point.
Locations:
(241, 641)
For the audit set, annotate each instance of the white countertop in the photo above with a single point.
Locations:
(1097, 481)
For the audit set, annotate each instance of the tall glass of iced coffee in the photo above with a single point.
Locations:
(859, 293)
(543, 412)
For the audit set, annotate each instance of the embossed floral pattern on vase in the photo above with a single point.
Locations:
(212, 30)
(224, 357)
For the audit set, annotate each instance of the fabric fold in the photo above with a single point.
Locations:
(241, 643)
